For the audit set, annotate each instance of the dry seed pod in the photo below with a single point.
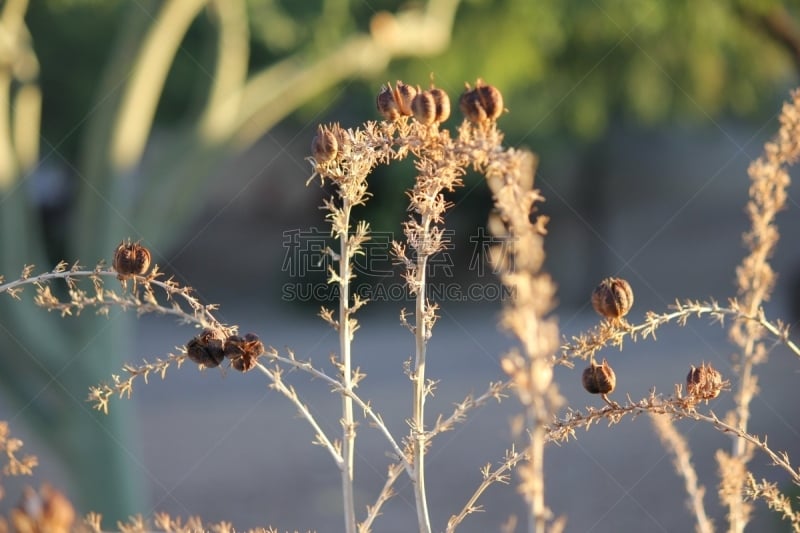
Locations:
(424, 107)
(482, 104)
(442, 104)
(470, 106)
(207, 348)
(387, 106)
(324, 146)
(599, 379)
(612, 298)
(243, 352)
(704, 383)
(403, 96)
(491, 100)
(131, 259)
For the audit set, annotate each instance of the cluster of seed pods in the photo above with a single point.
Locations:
(612, 299)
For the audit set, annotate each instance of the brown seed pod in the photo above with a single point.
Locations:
(207, 348)
(599, 379)
(471, 108)
(491, 100)
(704, 383)
(324, 146)
(403, 96)
(482, 104)
(612, 298)
(442, 104)
(243, 351)
(131, 259)
(424, 107)
(387, 106)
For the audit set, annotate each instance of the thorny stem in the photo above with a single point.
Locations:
(677, 407)
(373, 511)
(201, 314)
(291, 394)
(339, 387)
(769, 180)
(676, 445)
(345, 337)
(498, 475)
(537, 521)
(586, 346)
(420, 392)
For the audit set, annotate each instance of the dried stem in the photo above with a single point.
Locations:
(420, 391)
(345, 340)
(141, 297)
(373, 511)
(510, 175)
(613, 333)
(490, 477)
(677, 407)
(756, 279)
(774, 498)
(677, 446)
(275, 375)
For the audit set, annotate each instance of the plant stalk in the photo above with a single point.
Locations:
(418, 421)
(345, 337)
(537, 521)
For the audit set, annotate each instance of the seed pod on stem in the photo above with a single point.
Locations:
(612, 298)
(324, 146)
(424, 107)
(704, 383)
(243, 351)
(442, 102)
(207, 348)
(131, 259)
(483, 104)
(403, 95)
(600, 379)
(387, 106)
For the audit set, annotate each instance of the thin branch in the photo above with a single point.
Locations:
(490, 477)
(676, 406)
(373, 511)
(277, 383)
(677, 446)
(609, 333)
(337, 387)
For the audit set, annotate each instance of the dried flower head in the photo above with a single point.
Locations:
(324, 146)
(47, 510)
(131, 259)
(599, 379)
(704, 383)
(612, 298)
(207, 349)
(482, 104)
(404, 94)
(442, 101)
(395, 102)
(387, 106)
(243, 351)
(424, 107)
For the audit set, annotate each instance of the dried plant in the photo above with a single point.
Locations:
(344, 158)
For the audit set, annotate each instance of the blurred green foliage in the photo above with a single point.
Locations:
(566, 67)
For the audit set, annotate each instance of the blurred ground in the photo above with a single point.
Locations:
(224, 446)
